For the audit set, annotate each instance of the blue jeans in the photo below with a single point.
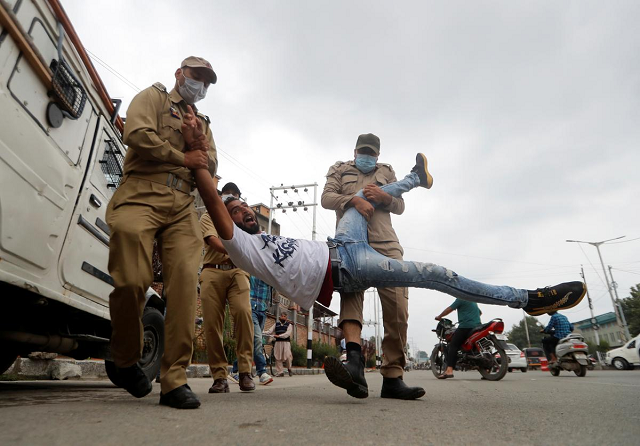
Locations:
(363, 267)
(259, 318)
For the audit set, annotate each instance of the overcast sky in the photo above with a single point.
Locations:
(527, 111)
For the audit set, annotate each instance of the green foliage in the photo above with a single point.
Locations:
(319, 350)
(631, 307)
(371, 362)
(602, 347)
(518, 336)
(299, 355)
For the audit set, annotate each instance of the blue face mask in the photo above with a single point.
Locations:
(365, 163)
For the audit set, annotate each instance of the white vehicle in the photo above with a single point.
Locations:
(625, 357)
(61, 158)
(517, 359)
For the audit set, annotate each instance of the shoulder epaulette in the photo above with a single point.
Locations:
(160, 87)
(205, 117)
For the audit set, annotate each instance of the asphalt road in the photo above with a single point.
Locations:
(524, 408)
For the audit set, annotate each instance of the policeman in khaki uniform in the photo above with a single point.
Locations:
(344, 179)
(221, 282)
(154, 200)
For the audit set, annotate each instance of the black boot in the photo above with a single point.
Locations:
(349, 375)
(396, 388)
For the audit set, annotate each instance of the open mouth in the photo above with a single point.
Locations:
(249, 219)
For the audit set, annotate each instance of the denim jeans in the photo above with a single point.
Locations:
(363, 267)
(259, 318)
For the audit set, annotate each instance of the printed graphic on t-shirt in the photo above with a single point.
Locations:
(281, 248)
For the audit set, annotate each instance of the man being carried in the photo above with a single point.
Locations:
(306, 270)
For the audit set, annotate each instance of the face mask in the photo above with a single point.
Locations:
(365, 163)
(192, 91)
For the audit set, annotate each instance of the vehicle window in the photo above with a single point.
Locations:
(632, 344)
(512, 347)
(534, 353)
(503, 344)
(112, 163)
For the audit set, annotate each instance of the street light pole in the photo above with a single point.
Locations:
(624, 321)
(606, 278)
(593, 318)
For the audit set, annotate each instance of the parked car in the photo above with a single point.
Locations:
(625, 357)
(517, 358)
(534, 356)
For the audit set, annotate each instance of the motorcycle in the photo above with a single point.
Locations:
(481, 351)
(571, 352)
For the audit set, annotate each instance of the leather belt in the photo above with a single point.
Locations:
(167, 179)
(334, 258)
(223, 266)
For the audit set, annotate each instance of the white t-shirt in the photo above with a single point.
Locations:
(294, 267)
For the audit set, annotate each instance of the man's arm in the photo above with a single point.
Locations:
(215, 244)
(446, 312)
(212, 201)
(332, 198)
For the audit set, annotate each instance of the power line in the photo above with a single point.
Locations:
(113, 71)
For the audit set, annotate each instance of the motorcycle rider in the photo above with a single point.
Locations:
(558, 327)
(468, 319)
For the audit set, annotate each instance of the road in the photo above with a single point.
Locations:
(525, 408)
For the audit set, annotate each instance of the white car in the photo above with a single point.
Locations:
(517, 358)
(625, 357)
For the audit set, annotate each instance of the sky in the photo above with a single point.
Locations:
(527, 112)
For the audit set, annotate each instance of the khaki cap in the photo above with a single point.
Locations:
(199, 62)
(369, 140)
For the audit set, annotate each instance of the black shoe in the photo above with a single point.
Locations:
(132, 379)
(349, 376)
(426, 180)
(396, 388)
(559, 297)
(180, 398)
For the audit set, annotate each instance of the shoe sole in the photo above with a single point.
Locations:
(545, 310)
(421, 160)
(339, 376)
(411, 396)
(267, 382)
(215, 391)
(191, 405)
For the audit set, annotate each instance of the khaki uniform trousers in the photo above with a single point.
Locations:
(395, 316)
(217, 287)
(140, 211)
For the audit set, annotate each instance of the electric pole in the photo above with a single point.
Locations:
(606, 278)
(615, 290)
(594, 321)
(295, 205)
(526, 328)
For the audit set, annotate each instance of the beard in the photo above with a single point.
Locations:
(253, 229)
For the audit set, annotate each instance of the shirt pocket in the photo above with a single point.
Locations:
(349, 183)
(381, 179)
(171, 130)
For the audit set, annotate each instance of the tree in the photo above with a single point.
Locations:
(631, 307)
(518, 336)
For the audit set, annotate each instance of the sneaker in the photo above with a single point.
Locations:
(265, 379)
(426, 180)
(559, 297)
(234, 378)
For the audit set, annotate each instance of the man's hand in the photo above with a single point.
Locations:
(196, 159)
(438, 318)
(192, 128)
(376, 195)
(363, 206)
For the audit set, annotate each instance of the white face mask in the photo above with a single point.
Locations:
(192, 91)
(226, 197)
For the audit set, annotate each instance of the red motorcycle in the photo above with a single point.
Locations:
(482, 351)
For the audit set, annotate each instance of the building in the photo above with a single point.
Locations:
(608, 329)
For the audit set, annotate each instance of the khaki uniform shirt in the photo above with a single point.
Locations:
(344, 180)
(153, 133)
(210, 254)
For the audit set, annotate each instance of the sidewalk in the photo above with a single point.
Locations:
(63, 368)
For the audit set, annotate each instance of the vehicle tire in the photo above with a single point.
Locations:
(523, 370)
(555, 371)
(438, 361)
(582, 371)
(153, 342)
(499, 370)
(7, 358)
(620, 364)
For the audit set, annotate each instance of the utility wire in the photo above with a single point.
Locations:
(113, 71)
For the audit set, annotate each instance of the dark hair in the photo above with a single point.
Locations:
(231, 188)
